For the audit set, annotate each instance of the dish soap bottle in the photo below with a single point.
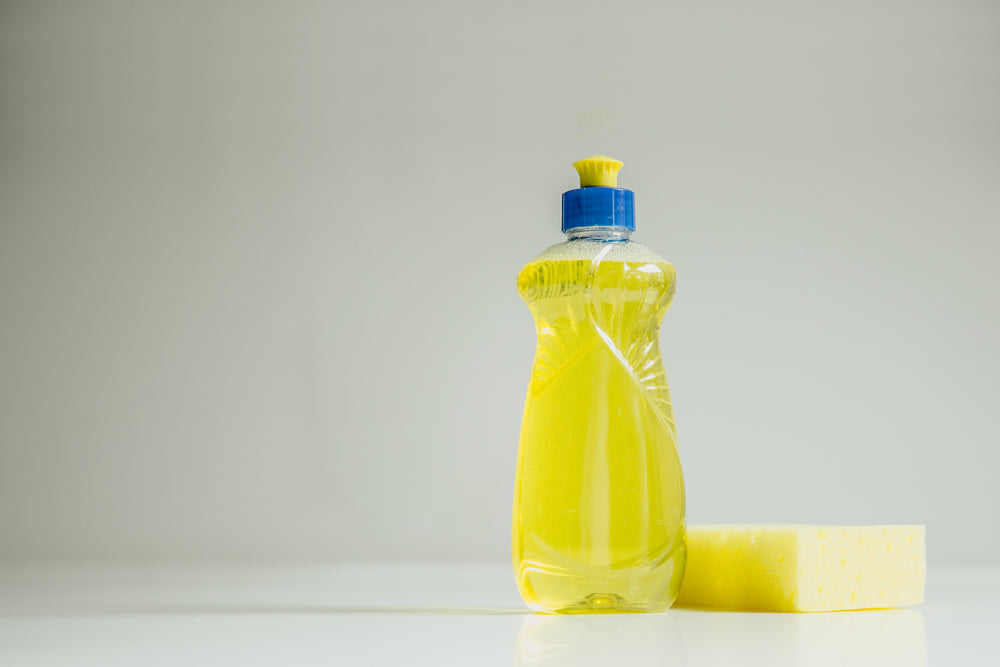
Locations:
(599, 497)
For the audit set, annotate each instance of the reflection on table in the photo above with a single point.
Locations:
(695, 638)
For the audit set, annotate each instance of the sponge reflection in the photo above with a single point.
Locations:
(696, 638)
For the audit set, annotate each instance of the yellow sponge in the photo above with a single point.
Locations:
(804, 568)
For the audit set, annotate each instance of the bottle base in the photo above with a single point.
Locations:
(603, 603)
(574, 587)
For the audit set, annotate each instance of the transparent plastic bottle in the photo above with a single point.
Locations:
(599, 496)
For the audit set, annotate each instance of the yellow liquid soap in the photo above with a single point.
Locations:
(599, 496)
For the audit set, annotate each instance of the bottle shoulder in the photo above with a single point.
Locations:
(576, 267)
(586, 250)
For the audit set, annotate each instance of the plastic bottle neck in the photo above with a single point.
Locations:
(603, 234)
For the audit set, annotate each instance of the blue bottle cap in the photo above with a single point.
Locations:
(598, 202)
(598, 207)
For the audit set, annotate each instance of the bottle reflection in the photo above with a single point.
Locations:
(608, 640)
(696, 637)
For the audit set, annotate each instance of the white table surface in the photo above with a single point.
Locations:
(460, 614)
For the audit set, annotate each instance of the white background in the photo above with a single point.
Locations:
(257, 264)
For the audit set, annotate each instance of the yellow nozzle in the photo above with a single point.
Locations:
(599, 170)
